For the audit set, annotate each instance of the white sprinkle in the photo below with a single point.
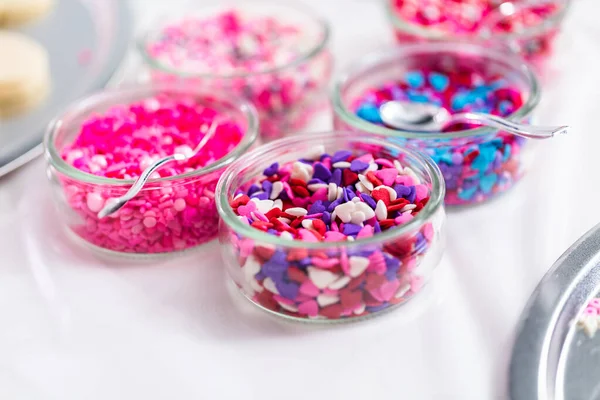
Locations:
(358, 265)
(286, 235)
(402, 291)
(381, 210)
(360, 309)
(345, 210)
(366, 210)
(263, 206)
(340, 193)
(356, 199)
(315, 153)
(278, 204)
(361, 188)
(350, 239)
(288, 307)
(408, 207)
(307, 223)
(316, 186)
(270, 285)
(399, 167)
(237, 196)
(296, 211)
(358, 217)
(284, 220)
(332, 193)
(321, 278)
(276, 190)
(366, 183)
(340, 283)
(301, 171)
(326, 300)
(341, 164)
(372, 167)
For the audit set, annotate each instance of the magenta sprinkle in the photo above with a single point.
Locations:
(119, 144)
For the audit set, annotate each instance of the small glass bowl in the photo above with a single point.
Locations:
(534, 42)
(384, 270)
(286, 95)
(181, 209)
(503, 157)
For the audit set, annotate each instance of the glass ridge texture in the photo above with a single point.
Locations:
(178, 228)
(400, 260)
(504, 157)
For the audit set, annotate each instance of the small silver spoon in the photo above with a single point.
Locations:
(424, 117)
(115, 204)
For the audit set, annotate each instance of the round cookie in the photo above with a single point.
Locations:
(15, 12)
(24, 73)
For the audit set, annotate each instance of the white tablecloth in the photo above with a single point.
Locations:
(73, 326)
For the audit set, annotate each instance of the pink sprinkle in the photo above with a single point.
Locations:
(334, 236)
(324, 263)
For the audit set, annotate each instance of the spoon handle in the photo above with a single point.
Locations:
(115, 204)
(524, 130)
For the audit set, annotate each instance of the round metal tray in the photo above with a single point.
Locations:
(552, 359)
(86, 41)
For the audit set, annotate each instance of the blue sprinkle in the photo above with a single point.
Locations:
(370, 113)
(505, 107)
(459, 101)
(439, 82)
(418, 98)
(415, 79)
(467, 194)
(487, 182)
(506, 152)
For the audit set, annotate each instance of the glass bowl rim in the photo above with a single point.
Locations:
(404, 26)
(436, 199)
(295, 7)
(374, 59)
(87, 104)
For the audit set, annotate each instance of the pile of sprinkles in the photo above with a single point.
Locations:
(123, 141)
(473, 17)
(473, 171)
(589, 320)
(336, 198)
(256, 57)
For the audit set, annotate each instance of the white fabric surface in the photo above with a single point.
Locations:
(77, 327)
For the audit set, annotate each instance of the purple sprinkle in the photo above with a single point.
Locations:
(305, 262)
(412, 194)
(377, 308)
(341, 155)
(260, 196)
(289, 290)
(305, 161)
(324, 156)
(336, 177)
(350, 191)
(326, 218)
(317, 207)
(253, 189)
(267, 187)
(391, 275)
(392, 264)
(334, 204)
(369, 200)
(321, 172)
(401, 190)
(313, 216)
(272, 231)
(358, 166)
(271, 170)
(376, 228)
(351, 229)
(315, 181)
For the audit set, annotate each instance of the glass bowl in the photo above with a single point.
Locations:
(476, 163)
(286, 92)
(169, 214)
(372, 274)
(533, 41)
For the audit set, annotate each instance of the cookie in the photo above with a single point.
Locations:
(24, 73)
(16, 12)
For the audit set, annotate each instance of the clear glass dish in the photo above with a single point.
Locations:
(534, 42)
(286, 94)
(511, 155)
(384, 270)
(181, 209)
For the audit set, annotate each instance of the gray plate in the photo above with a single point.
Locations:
(99, 28)
(552, 359)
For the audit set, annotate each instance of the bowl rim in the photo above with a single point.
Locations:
(293, 6)
(86, 106)
(228, 216)
(405, 26)
(374, 59)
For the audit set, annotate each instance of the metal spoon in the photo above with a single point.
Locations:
(115, 204)
(424, 117)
